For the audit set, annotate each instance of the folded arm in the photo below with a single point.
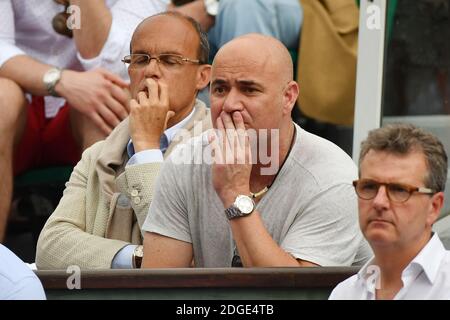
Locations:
(96, 20)
(256, 246)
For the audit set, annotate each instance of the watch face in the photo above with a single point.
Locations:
(51, 76)
(212, 7)
(244, 204)
(139, 251)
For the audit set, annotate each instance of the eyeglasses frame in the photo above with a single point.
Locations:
(409, 188)
(127, 59)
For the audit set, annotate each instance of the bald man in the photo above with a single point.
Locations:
(270, 194)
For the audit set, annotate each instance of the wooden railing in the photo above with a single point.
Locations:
(220, 283)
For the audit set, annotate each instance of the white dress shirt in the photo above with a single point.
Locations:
(122, 260)
(26, 28)
(427, 277)
(155, 155)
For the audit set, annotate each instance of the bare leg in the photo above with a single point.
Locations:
(84, 130)
(12, 123)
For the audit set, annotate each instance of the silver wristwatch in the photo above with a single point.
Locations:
(138, 254)
(242, 206)
(50, 79)
(212, 7)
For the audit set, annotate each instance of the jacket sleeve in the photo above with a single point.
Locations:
(141, 185)
(64, 240)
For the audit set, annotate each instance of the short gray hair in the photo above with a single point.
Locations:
(399, 138)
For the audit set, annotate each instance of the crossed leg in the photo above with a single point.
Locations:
(13, 106)
(13, 119)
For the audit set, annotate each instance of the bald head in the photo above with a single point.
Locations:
(203, 48)
(253, 75)
(260, 50)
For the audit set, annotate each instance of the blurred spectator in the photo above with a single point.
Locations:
(226, 19)
(442, 227)
(17, 280)
(327, 68)
(416, 76)
(417, 67)
(39, 62)
(281, 19)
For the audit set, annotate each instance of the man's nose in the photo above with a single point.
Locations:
(233, 102)
(381, 200)
(152, 69)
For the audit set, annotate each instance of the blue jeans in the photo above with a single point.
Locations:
(281, 19)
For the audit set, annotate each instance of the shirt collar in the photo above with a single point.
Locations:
(362, 273)
(429, 258)
(169, 132)
(172, 131)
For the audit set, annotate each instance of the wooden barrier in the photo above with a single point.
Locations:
(198, 284)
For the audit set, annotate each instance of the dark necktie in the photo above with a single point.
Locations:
(163, 143)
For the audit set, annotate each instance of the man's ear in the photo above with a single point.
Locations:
(437, 202)
(203, 76)
(290, 95)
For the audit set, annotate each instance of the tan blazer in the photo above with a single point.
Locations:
(105, 203)
(327, 60)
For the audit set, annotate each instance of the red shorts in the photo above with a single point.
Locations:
(45, 142)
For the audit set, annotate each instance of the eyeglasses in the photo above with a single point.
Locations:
(368, 189)
(59, 21)
(168, 60)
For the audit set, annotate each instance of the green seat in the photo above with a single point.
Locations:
(36, 194)
(50, 175)
(294, 56)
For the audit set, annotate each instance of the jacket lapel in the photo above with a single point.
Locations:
(113, 157)
(199, 123)
(111, 172)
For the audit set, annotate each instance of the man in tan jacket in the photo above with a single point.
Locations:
(97, 223)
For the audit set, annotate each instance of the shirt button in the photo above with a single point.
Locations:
(137, 200)
(134, 193)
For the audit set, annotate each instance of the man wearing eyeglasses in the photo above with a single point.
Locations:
(97, 223)
(61, 80)
(403, 171)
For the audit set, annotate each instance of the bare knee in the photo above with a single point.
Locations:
(85, 132)
(12, 106)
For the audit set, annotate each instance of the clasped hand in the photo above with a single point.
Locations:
(149, 114)
(232, 157)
